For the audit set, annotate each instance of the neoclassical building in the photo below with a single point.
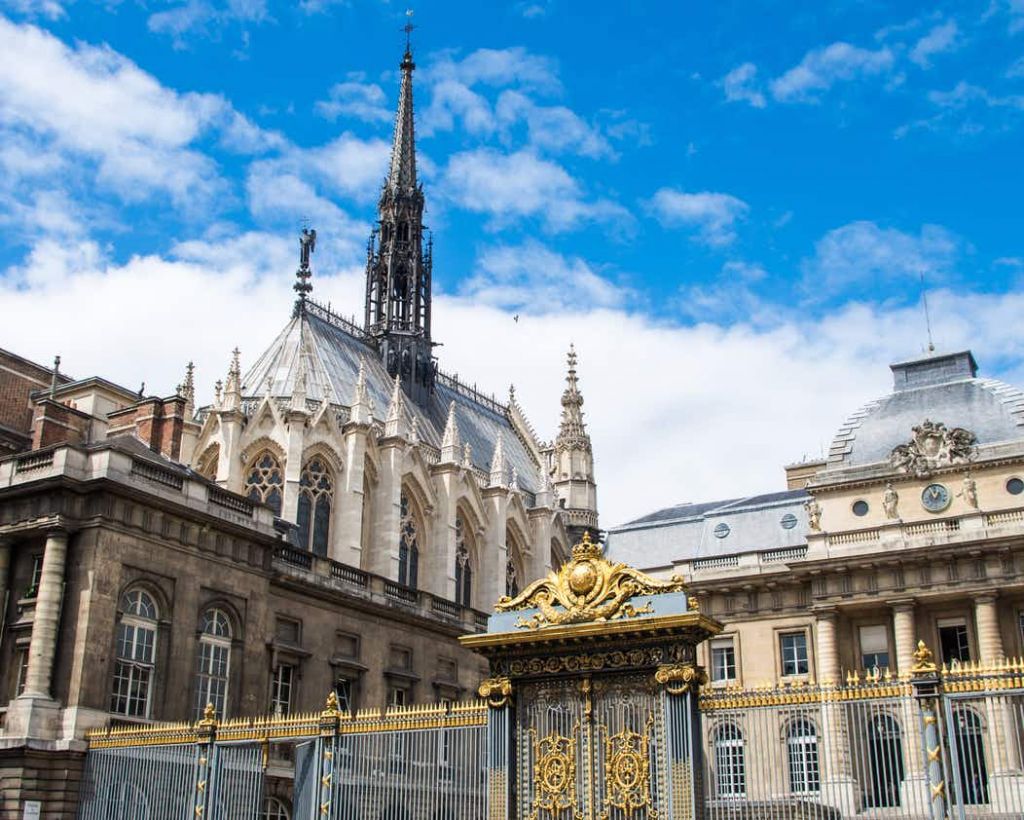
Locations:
(911, 528)
(333, 520)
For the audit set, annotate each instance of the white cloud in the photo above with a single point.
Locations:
(941, 39)
(552, 128)
(92, 102)
(50, 9)
(192, 17)
(739, 86)
(498, 68)
(822, 68)
(510, 187)
(355, 98)
(968, 110)
(534, 279)
(653, 389)
(863, 252)
(713, 216)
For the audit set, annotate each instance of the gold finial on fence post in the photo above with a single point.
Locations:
(924, 660)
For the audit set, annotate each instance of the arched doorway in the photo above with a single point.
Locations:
(969, 748)
(885, 763)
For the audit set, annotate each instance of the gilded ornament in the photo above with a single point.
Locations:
(554, 777)
(496, 691)
(588, 588)
(679, 678)
(627, 775)
(924, 660)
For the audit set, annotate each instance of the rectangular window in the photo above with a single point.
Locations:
(397, 696)
(874, 647)
(953, 641)
(22, 667)
(213, 664)
(723, 660)
(343, 689)
(37, 574)
(793, 646)
(288, 631)
(399, 657)
(281, 689)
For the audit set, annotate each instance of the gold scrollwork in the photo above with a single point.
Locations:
(679, 678)
(587, 588)
(628, 775)
(496, 691)
(554, 777)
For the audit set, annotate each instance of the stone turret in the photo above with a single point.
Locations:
(573, 460)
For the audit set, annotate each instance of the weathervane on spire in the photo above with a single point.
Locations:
(408, 29)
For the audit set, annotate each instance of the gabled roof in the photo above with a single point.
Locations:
(330, 353)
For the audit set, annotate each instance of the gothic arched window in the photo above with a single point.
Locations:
(316, 492)
(135, 667)
(730, 761)
(408, 544)
(463, 564)
(265, 481)
(802, 746)
(213, 663)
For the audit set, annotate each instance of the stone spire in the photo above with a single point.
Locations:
(188, 390)
(398, 271)
(451, 444)
(361, 412)
(394, 424)
(233, 387)
(574, 459)
(498, 464)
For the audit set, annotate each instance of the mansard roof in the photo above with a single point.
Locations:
(687, 532)
(942, 388)
(329, 351)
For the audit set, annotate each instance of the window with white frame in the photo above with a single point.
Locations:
(953, 641)
(730, 761)
(135, 648)
(274, 809)
(802, 748)
(21, 664)
(343, 691)
(213, 663)
(874, 647)
(723, 660)
(37, 573)
(793, 650)
(282, 684)
(397, 696)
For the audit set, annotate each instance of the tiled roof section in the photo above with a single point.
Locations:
(688, 531)
(991, 409)
(330, 355)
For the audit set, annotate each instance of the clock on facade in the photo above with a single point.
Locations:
(935, 497)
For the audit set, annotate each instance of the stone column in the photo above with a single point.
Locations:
(904, 635)
(990, 640)
(42, 650)
(828, 651)
(6, 549)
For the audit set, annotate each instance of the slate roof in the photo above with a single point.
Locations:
(687, 531)
(942, 388)
(331, 353)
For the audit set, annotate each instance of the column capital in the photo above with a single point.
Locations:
(988, 597)
(825, 613)
(902, 604)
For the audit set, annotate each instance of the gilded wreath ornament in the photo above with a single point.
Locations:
(587, 588)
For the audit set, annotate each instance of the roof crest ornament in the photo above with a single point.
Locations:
(587, 588)
(394, 424)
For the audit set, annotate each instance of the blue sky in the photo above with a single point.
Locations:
(727, 206)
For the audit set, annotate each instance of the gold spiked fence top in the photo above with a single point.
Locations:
(966, 677)
(296, 726)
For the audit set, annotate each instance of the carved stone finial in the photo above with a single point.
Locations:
(497, 477)
(451, 443)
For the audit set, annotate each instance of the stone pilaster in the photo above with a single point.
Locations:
(494, 554)
(990, 641)
(347, 543)
(383, 557)
(42, 650)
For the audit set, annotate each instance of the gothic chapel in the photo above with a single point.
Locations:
(381, 461)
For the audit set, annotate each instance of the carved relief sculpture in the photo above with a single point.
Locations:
(932, 447)
(813, 509)
(969, 493)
